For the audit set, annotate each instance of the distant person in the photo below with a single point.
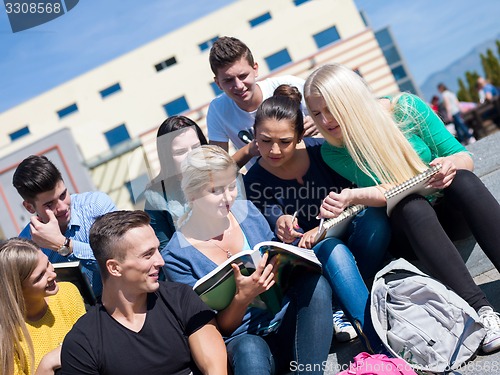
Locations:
(486, 91)
(164, 201)
(61, 222)
(453, 114)
(231, 115)
(142, 325)
(437, 107)
(36, 311)
(435, 104)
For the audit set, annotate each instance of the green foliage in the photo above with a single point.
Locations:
(463, 93)
(491, 66)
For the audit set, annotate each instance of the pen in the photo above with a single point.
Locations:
(294, 216)
(320, 229)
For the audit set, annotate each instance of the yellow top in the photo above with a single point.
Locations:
(65, 308)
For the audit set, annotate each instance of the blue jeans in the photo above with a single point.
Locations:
(368, 237)
(301, 343)
(461, 128)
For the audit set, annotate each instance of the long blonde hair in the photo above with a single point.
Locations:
(373, 138)
(197, 170)
(18, 259)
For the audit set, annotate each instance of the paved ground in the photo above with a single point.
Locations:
(342, 353)
(486, 154)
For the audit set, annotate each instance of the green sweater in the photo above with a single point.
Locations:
(423, 128)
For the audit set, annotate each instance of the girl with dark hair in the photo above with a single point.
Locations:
(176, 136)
(291, 176)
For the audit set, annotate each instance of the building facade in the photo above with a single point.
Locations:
(113, 111)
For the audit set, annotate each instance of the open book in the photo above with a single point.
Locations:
(337, 226)
(415, 185)
(72, 272)
(218, 287)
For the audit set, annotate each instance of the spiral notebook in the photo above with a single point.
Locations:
(337, 226)
(415, 185)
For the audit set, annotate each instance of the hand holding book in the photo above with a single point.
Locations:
(248, 287)
(217, 289)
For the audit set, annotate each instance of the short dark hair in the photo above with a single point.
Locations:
(226, 51)
(35, 175)
(283, 105)
(107, 232)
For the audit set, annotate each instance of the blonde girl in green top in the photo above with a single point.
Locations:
(377, 143)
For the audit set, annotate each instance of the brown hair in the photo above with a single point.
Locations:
(226, 51)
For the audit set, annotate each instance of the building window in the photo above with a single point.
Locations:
(260, 19)
(67, 110)
(278, 59)
(110, 90)
(207, 44)
(217, 91)
(19, 133)
(117, 135)
(392, 55)
(176, 106)
(299, 2)
(384, 38)
(399, 72)
(407, 86)
(326, 37)
(165, 64)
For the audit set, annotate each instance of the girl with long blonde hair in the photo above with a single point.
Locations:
(36, 312)
(376, 143)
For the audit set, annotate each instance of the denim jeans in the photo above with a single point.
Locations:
(368, 237)
(461, 128)
(302, 342)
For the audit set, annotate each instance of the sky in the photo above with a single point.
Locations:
(431, 34)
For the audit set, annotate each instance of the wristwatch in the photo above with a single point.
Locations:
(65, 250)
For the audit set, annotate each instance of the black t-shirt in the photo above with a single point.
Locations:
(98, 344)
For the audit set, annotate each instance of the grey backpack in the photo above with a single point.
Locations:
(421, 320)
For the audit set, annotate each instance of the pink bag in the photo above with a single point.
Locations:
(378, 364)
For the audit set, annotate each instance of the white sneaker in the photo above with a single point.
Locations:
(344, 331)
(491, 322)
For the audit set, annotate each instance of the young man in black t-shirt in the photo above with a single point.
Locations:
(142, 325)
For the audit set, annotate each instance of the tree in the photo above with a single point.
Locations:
(468, 91)
(463, 93)
(491, 66)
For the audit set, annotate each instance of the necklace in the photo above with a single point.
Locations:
(228, 253)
